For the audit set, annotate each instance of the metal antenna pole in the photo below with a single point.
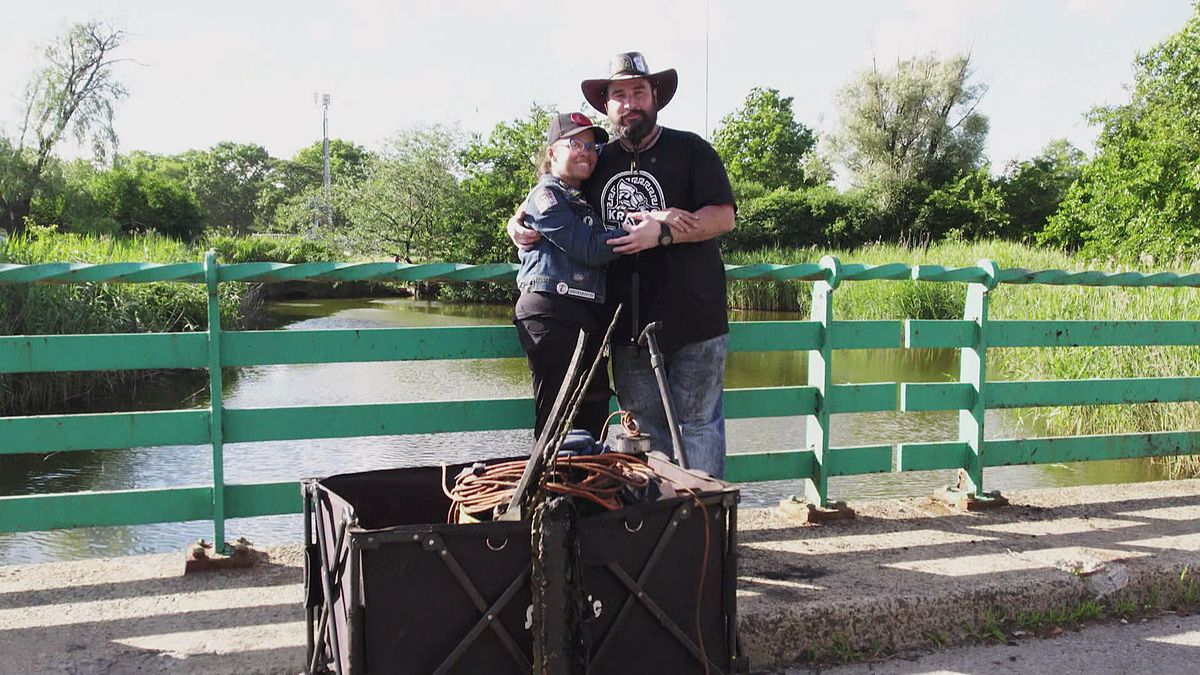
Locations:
(325, 178)
(707, 8)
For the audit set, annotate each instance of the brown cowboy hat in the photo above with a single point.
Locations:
(630, 66)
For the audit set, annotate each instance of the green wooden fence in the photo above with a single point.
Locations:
(972, 395)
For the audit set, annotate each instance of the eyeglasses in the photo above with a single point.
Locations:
(577, 145)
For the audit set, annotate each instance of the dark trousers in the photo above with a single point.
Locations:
(548, 329)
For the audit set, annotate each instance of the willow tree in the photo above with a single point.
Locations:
(907, 131)
(72, 94)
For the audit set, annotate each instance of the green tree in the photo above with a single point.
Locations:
(906, 132)
(762, 142)
(1034, 188)
(1140, 194)
(500, 170)
(142, 200)
(73, 93)
(64, 200)
(347, 161)
(971, 207)
(783, 217)
(227, 180)
(918, 121)
(135, 195)
(293, 187)
(408, 203)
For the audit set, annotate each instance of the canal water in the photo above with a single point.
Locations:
(354, 383)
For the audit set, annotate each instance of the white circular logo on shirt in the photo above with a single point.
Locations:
(561, 288)
(629, 192)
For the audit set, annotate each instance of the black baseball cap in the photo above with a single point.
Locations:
(565, 125)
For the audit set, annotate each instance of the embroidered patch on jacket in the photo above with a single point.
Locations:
(562, 288)
(544, 200)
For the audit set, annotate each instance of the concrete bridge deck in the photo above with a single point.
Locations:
(904, 575)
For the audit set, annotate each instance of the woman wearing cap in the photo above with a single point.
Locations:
(562, 278)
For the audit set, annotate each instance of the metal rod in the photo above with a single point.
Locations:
(435, 544)
(658, 365)
(534, 466)
(559, 423)
(309, 612)
(328, 624)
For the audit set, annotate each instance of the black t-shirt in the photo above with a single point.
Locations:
(682, 285)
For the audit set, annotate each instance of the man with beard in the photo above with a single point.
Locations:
(674, 186)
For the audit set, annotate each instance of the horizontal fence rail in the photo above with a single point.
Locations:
(214, 349)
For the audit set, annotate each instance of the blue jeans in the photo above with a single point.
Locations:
(696, 378)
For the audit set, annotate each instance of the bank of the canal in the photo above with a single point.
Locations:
(347, 383)
(906, 575)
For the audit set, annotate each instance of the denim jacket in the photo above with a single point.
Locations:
(570, 257)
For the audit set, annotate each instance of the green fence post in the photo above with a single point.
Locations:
(973, 371)
(820, 367)
(214, 386)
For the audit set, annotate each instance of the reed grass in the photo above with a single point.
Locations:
(231, 249)
(1158, 304)
(53, 309)
(925, 300)
(118, 308)
(881, 299)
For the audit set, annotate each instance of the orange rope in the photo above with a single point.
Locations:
(596, 478)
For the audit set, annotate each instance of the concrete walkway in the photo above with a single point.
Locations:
(903, 577)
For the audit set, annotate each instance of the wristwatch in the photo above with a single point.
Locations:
(665, 237)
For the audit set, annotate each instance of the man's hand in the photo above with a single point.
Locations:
(643, 234)
(681, 222)
(524, 238)
(712, 221)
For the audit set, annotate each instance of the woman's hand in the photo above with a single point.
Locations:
(680, 221)
(524, 238)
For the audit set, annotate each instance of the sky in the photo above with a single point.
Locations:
(203, 72)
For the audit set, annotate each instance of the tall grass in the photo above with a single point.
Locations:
(231, 249)
(1162, 304)
(119, 308)
(925, 300)
(880, 299)
(51, 309)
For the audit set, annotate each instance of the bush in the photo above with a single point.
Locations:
(861, 222)
(791, 218)
(972, 207)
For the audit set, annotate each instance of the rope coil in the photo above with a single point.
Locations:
(600, 479)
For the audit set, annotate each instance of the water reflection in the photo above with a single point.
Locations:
(354, 383)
